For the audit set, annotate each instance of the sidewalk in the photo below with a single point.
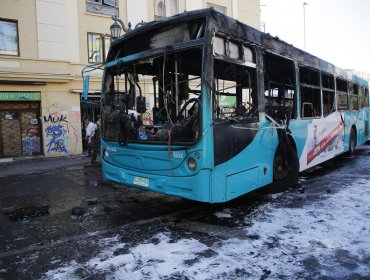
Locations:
(35, 166)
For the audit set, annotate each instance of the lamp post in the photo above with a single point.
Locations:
(263, 24)
(117, 27)
(304, 24)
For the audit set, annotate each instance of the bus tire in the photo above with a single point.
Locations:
(285, 170)
(352, 143)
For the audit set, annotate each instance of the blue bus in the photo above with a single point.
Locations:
(204, 107)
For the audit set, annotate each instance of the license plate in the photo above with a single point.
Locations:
(140, 181)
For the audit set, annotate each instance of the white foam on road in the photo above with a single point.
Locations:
(325, 237)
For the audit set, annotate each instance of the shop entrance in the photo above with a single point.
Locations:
(90, 109)
(20, 129)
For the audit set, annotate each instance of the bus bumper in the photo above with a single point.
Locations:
(195, 187)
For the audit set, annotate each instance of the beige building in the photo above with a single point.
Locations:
(44, 44)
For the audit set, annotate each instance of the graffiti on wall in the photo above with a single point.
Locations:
(61, 135)
(55, 134)
(30, 133)
(52, 118)
(30, 140)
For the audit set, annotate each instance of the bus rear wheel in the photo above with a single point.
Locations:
(285, 169)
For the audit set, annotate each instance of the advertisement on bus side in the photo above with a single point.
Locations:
(325, 140)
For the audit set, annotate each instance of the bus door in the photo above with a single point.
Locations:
(362, 123)
(353, 102)
(280, 99)
(366, 112)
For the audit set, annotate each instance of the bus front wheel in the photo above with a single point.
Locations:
(285, 169)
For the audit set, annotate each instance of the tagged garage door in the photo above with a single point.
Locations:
(20, 129)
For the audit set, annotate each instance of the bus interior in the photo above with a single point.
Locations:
(175, 79)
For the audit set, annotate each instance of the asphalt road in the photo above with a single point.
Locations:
(122, 233)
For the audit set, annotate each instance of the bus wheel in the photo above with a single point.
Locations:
(352, 143)
(286, 169)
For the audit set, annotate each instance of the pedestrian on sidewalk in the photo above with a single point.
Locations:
(96, 140)
(89, 127)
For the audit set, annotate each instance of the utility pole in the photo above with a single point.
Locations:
(304, 24)
(263, 24)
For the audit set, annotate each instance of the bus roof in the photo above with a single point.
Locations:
(239, 31)
(360, 81)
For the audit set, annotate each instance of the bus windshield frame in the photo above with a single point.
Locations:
(175, 118)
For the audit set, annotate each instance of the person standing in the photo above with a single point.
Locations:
(96, 140)
(89, 134)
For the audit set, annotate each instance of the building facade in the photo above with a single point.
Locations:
(44, 44)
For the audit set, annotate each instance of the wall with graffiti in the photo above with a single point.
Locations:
(61, 124)
(30, 133)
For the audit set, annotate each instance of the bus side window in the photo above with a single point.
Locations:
(234, 91)
(366, 98)
(353, 97)
(342, 94)
(307, 110)
(279, 84)
(360, 97)
(328, 93)
(310, 92)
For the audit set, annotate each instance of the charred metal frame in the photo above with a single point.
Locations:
(208, 23)
(123, 55)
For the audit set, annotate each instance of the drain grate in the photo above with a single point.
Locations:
(28, 213)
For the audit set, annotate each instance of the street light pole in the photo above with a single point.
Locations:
(117, 26)
(304, 24)
(263, 24)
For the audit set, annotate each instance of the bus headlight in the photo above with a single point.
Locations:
(106, 153)
(192, 164)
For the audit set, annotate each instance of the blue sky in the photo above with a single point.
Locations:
(337, 31)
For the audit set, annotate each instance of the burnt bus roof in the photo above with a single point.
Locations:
(153, 25)
(222, 24)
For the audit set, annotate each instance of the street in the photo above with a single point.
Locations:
(68, 223)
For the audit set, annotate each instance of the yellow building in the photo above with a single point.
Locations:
(44, 44)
